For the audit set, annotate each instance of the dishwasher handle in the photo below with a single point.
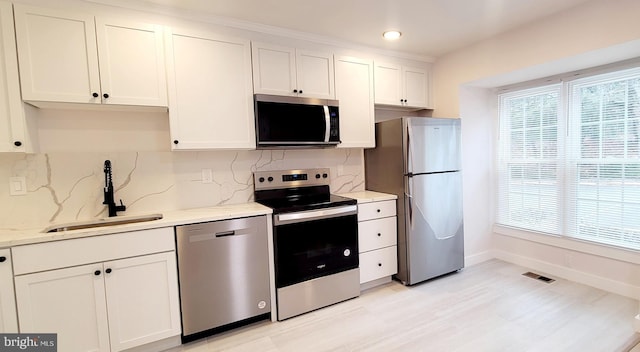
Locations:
(225, 233)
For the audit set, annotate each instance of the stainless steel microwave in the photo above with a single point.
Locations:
(296, 122)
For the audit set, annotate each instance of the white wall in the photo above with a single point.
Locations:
(595, 33)
(540, 49)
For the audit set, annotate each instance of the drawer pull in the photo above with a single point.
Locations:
(379, 234)
(379, 264)
(378, 210)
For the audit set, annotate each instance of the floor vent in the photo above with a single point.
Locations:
(538, 277)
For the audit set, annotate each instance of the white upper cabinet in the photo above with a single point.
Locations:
(210, 91)
(132, 65)
(354, 90)
(404, 86)
(73, 58)
(293, 72)
(14, 133)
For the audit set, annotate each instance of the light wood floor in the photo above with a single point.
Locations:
(487, 307)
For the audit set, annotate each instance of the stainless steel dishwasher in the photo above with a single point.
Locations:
(223, 269)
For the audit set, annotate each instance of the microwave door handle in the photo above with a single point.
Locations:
(327, 123)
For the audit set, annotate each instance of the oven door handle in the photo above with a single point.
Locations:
(310, 215)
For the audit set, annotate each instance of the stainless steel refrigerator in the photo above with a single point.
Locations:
(418, 159)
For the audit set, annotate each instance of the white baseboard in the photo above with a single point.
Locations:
(602, 283)
(478, 258)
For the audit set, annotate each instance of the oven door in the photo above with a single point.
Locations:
(315, 243)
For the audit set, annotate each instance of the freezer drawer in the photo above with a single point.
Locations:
(223, 272)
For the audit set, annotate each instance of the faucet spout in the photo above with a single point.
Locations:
(108, 191)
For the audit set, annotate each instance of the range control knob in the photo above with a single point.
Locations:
(317, 175)
(261, 179)
(325, 175)
(270, 179)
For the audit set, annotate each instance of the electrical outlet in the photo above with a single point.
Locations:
(207, 176)
(17, 186)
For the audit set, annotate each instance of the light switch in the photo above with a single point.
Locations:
(17, 186)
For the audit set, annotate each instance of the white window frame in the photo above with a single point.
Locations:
(566, 126)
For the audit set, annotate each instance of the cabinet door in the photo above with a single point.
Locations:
(388, 83)
(13, 134)
(57, 55)
(378, 264)
(69, 302)
(314, 74)
(354, 90)
(416, 87)
(142, 296)
(210, 94)
(274, 69)
(132, 65)
(8, 318)
(376, 234)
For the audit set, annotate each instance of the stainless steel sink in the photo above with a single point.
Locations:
(112, 221)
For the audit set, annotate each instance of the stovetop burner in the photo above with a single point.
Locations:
(296, 190)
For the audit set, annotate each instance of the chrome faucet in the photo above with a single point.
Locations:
(108, 191)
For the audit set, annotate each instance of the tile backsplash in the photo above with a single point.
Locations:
(68, 186)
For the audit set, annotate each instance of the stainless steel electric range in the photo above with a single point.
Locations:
(315, 236)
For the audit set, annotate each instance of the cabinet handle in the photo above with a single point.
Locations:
(17, 143)
(300, 91)
(378, 210)
(379, 264)
(3, 259)
(95, 95)
(105, 95)
(175, 141)
(96, 273)
(108, 271)
(379, 234)
(295, 91)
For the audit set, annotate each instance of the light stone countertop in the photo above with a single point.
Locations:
(369, 196)
(21, 236)
(15, 237)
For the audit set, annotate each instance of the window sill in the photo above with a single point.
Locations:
(574, 244)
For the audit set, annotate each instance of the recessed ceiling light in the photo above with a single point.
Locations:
(391, 35)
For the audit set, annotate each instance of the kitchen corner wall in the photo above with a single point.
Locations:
(68, 186)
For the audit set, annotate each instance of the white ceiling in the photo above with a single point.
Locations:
(430, 27)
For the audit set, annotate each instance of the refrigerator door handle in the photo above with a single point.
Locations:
(410, 209)
(407, 153)
(409, 196)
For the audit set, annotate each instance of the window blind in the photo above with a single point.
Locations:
(569, 159)
(604, 186)
(529, 167)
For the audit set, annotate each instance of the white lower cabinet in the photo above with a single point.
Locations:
(377, 240)
(8, 319)
(104, 306)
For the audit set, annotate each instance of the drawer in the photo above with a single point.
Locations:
(375, 210)
(376, 234)
(378, 264)
(60, 254)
